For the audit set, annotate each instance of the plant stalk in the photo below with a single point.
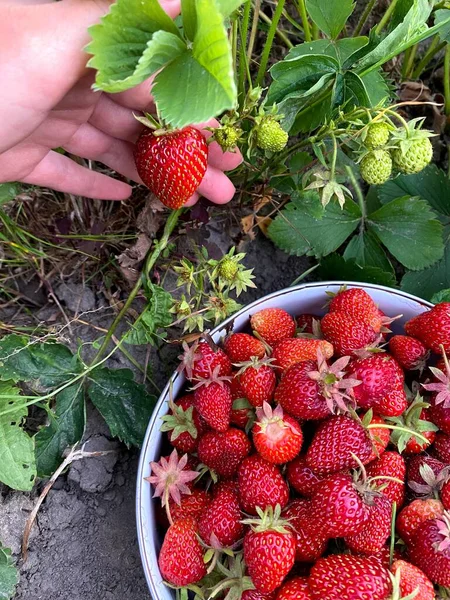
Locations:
(387, 15)
(301, 7)
(364, 17)
(269, 41)
(283, 37)
(433, 49)
(243, 62)
(447, 80)
(254, 30)
(408, 61)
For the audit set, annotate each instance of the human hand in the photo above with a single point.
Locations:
(47, 102)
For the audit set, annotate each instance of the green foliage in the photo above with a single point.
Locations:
(349, 270)
(442, 296)
(9, 574)
(137, 39)
(442, 19)
(124, 404)
(17, 462)
(429, 281)
(66, 427)
(8, 191)
(330, 15)
(156, 316)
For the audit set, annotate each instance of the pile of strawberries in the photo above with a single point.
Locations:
(311, 460)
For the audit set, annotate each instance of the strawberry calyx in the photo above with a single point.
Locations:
(372, 348)
(365, 485)
(213, 377)
(271, 423)
(411, 420)
(396, 590)
(188, 358)
(255, 363)
(180, 421)
(334, 386)
(443, 524)
(235, 580)
(442, 387)
(433, 483)
(170, 479)
(268, 520)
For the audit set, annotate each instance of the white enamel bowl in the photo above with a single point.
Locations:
(307, 298)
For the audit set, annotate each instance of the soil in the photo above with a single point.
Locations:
(84, 545)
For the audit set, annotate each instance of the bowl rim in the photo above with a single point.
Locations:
(176, 375)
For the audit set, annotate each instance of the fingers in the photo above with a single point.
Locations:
(115, 120)
(216, 186)
(88, 142)
(193, 200)
(62, 174)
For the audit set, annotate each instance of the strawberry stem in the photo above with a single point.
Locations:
(398, 428)
(392, 542)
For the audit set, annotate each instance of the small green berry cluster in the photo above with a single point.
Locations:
(406, 149)
(207, 285)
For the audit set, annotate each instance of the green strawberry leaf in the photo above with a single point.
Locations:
(198, 84)
(189, 18)
(376, 88)
(298, 230)
(330, 16)
(9, 574)
(442, 296)
(17, 462)
(39, 364)
(337, 49)
(132, 42)
(429, 281)
(409, 230)
(365, 250)
(431, 184)
(125, 405)
(442, 18)
(155, 316)
(66, 427)
(413, 28)
(335, 266)
(8, 191)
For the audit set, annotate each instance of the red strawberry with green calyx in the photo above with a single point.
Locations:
(290, 351)
(377, 528)
(269, 549)
(346, 577)
(277, 437)
(410, 353)
(242, 347)
(357, 304)
(414, 514)
(221, 520)
(415, 431)
(409, 579)
(260, 485)
(223, 451)
(257, 380)
(432, 328)
(202, 358)
(392, 465)
(172, 164)
(426, 475)
(273, 325)
(430, 550)
(213, 400)
(183, 424)
(308, 323)
(181, 557)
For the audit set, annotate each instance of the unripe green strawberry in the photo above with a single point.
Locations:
(227, 137)
(228, 269)
(417, 156)
(376, 167)
(377, 135)
(270, 135)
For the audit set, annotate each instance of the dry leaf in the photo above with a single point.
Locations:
(151, 217)
(247, 225)
(132, 257)
(416, 91)
(263, 223)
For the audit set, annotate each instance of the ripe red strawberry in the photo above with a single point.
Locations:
(426, 475)
(441, 447)
(311, 543)
(346, 577)
(222, 519)
(384, 556)
(445, 495)
(302, 478)
(334, 443)
(377, 529)
(431, 549)
(260, 485)
(440, 416)
(181, 558)
(357, 304)
(290, 351)
(213, 402)
(390, 464)
(255, 595)
(202, 359)
(410, 353)
(294, 589)
(414, 420)
(347, 335)
(183, 424)
(191, 506)
(305, 322)
(172, 164)
(313, 390)
(257, 380)
(413, 515)
(378, 374)
(380, 436)
(277, 437)
(242, 413)
(269, 550)
(432, 328)
(242, 347)
(224, 451)
(273, 325)
(338, 507)
(412, 578)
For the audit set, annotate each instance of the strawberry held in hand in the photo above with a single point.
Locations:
(172, 164)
